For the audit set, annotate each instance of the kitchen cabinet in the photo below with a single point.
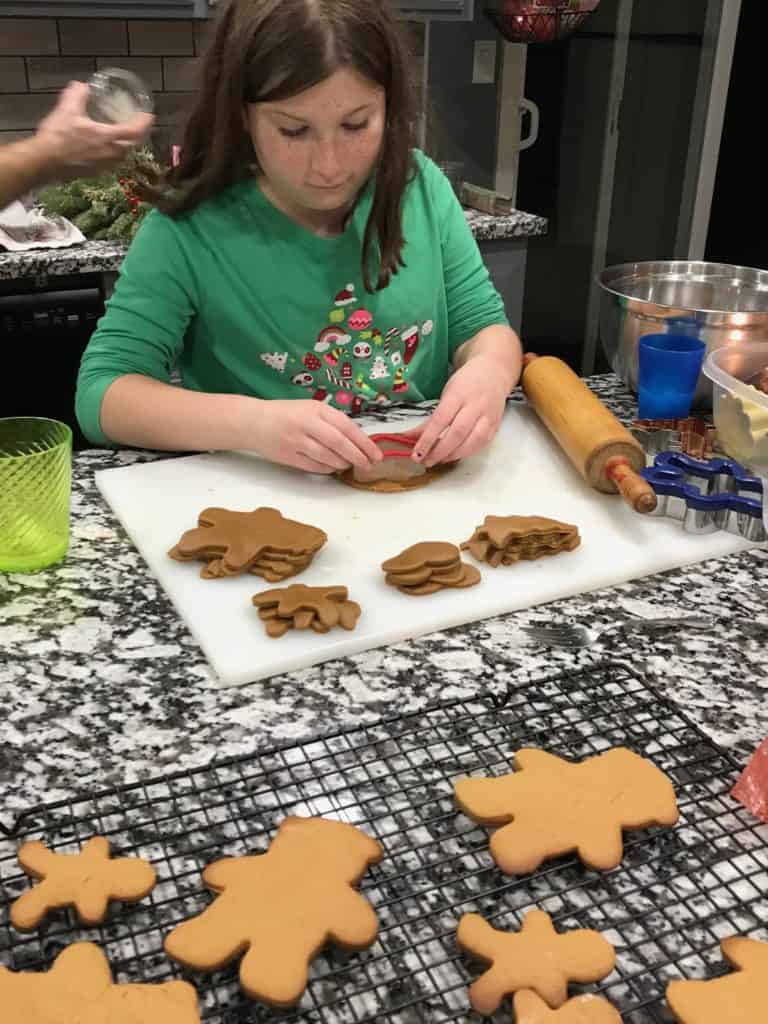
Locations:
(105, 8)
(456, 10)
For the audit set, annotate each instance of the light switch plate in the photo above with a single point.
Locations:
(484, 66)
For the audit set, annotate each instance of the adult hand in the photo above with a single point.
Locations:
(70, 141)
(312, 436)
(468, 415)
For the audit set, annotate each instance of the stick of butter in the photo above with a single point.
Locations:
(742, 428)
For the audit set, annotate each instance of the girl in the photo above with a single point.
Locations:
(304, 264)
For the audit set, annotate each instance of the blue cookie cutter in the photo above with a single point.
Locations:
(716, 494)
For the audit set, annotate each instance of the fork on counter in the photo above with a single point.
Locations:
(572, 635)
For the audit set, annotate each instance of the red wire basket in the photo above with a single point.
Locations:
(521, 22)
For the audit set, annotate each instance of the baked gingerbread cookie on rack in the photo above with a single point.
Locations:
(549, 806)
(537, 958)
(281, 907)
(397, 471)
(261, 542)
(737, 998)
(586, 1009)
(86, 881)
(79, 989)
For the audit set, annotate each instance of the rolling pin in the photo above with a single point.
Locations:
(602, 450)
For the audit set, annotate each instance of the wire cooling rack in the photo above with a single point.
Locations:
(676, 894)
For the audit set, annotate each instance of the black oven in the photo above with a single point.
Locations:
(45, 324)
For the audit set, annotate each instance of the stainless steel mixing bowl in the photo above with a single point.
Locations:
(716, 302)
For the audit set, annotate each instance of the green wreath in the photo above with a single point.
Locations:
(105, 207)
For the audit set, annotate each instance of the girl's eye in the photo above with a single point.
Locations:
(298, 133)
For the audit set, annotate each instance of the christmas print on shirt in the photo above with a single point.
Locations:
(352, 363)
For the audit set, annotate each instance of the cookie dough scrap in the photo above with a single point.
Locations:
(738, 998)
(549, 806)
(79, 989)
(86, 881)
(587, 1009)
(429, 567)
(392, 475)
(504, 540)
(280, 908)
(536, 958)
(298, 607)
(261, 542)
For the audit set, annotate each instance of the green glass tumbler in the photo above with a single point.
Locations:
(35, 484)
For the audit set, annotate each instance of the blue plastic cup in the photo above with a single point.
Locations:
(669, 370)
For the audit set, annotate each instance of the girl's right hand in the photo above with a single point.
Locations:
(309, 435)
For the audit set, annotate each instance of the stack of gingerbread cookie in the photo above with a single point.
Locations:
(300, 607)
(428, 567)
(261, 542)
(504, 540)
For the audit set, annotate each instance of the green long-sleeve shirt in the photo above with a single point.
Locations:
(245, 301)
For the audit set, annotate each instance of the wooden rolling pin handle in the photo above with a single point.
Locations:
(635, 490)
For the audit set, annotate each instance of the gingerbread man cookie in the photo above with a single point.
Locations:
(738, 998)
(549, 807)
(79, 989)
(536, 958)
(281, 907)
(588, 1009)
(86, 881)
(261, 542)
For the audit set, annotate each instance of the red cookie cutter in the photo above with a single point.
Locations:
(409, 442)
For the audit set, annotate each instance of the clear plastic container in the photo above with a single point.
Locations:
(116, 95)
(741, 409)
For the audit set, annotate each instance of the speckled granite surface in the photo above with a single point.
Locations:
(91, 257)
(103, 684)
(107, 256)
(517, 225)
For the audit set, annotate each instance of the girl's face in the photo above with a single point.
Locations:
(318, 149)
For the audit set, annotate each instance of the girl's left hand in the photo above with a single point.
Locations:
(469, 413)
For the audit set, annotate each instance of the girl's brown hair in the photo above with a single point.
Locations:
(267, 50)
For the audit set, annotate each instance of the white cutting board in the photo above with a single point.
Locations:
(523, 473)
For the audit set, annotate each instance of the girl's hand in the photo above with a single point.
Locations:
(469, 413)
(309, 435)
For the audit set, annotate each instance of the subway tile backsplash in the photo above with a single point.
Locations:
(161, 38)
(38, 56)
(46, 74)
(22, 36)
(84, 37)
(149, 69)
(13, 74)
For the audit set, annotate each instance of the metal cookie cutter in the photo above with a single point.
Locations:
(718, 494)
(693, 436)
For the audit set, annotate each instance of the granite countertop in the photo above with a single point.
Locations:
(102, 683)
(102, 257)
(487, 227)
